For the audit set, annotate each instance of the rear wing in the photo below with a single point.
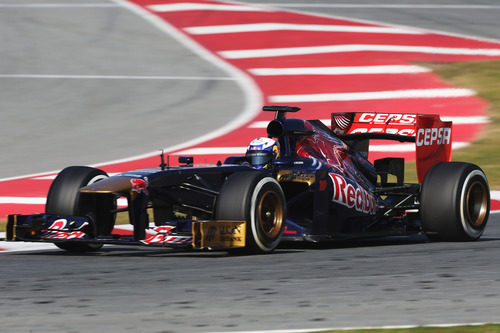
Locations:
(432, 136)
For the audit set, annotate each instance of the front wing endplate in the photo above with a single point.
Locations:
(218, 234)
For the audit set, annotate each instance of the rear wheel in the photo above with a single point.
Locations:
(455, 202)
(64, 198)
(258, 200)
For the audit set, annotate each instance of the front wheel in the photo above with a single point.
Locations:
(454, 202)
(64, 198)
(259, 200)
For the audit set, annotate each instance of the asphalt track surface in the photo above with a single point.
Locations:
(397, 281)
(375, 283)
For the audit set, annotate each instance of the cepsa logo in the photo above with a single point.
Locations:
(388, 118)
(352, 196)
(431, 136)
(390, 123)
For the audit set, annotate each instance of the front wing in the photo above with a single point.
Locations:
(205, 234)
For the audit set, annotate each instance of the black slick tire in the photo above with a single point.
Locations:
(454, 202)
(259, 200)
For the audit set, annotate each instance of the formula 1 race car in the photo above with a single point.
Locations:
(321, 187)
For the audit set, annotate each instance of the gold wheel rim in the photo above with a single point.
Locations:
(270, 214)
(476, 204)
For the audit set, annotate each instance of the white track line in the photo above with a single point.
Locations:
(354, 5)
(25, 246)
(464, 120)
(374, 95)
(289, 51)
(40, 201)
(340, 70)
(360, 328)
(53, 176)
(23, 200)
(186, 6)
(271, 26)
(114, 77)
(213, 151)
(29, 175)
(58, 5)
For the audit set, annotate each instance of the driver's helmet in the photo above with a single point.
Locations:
(262, 151)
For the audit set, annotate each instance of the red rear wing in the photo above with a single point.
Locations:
(432, 136)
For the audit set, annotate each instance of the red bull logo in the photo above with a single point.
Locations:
(139, 185)
(352, 196)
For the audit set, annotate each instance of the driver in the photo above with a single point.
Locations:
(261, 152)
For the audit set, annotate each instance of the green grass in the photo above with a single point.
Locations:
(484, 78)
(489, 328)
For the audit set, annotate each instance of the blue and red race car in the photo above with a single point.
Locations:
(321, 187)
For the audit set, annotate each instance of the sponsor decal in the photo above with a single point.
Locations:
(388, 118)
(352, 195)
(397, 131)
(296, 176)
(219, 234)
(61, 224)
(341, 122)
(165, 239)
(58, 224)
(432, 136)
(139, 185)
(164, 236)
(389, 123)
(433, 143)
(224, 233)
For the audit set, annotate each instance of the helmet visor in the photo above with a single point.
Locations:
(259, 157)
